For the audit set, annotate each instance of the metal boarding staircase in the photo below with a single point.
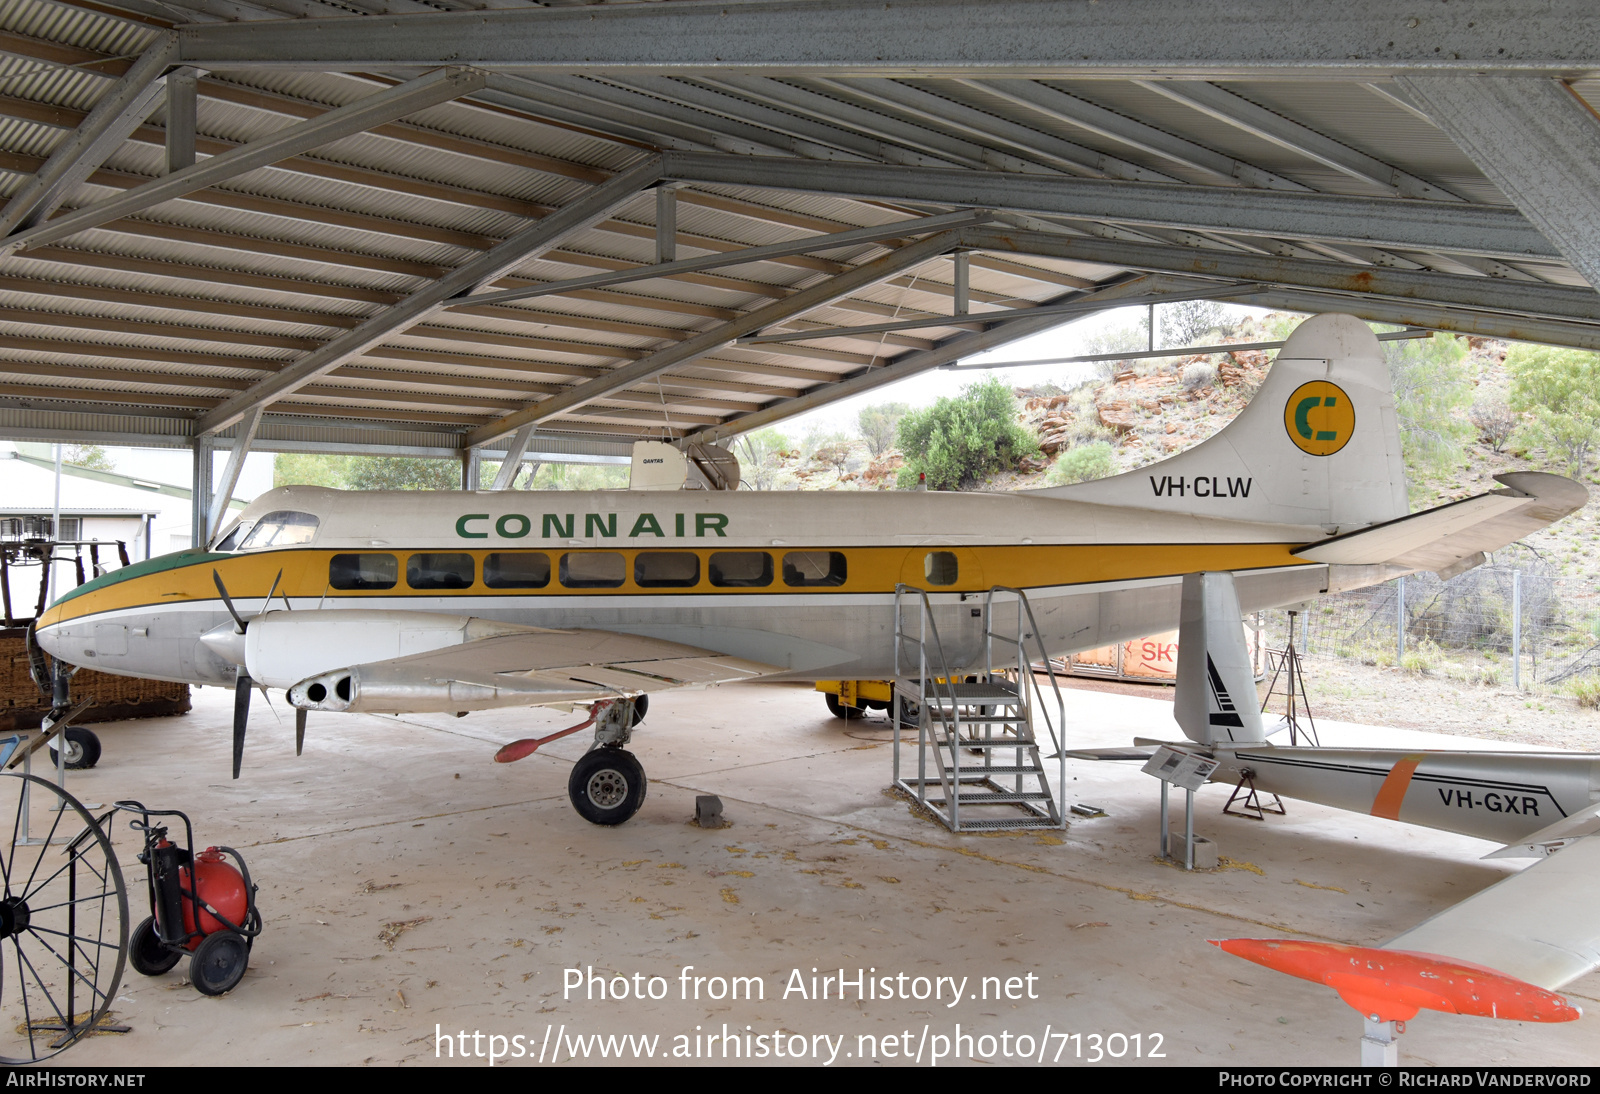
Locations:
(977, 733)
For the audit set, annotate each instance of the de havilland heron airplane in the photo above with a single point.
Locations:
(406, 602)
(410, 602)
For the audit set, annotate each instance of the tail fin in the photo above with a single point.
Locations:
(1318, 445)
(1215, 700)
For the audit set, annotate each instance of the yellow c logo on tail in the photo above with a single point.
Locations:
(1319, 417)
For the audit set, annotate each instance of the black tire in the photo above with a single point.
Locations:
(146, 953)
(218, 963)
(83, 748)
(838, 709)
(607, 786)
(641, 707)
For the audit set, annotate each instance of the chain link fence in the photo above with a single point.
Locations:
(1521, 627)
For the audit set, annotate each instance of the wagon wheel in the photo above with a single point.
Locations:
(63, 921)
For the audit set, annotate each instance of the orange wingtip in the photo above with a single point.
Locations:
(1392, 985)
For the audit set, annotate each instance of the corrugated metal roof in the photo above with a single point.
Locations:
(173, 304)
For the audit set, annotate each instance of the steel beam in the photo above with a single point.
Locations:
(1512, 328)
(599, 203)
(1420, 286)
(200, 471)
(1379, 222)
(511, 462)
(1041, 98)
(120, 111)
(183, 88)
(1268, 125)
(816, 296)
(242, 441)
(1537, 142)
(395, 102)
(876, 234)
(902, 368)
(1208, 39)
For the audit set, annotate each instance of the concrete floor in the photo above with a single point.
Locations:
(411, 888)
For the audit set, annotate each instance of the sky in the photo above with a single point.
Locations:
(171, 465)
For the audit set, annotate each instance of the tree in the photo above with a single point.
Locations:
(91, 456)
(1559, 390)
(404, 473)
(311, 469)
(878, 423)
(958, 442)
(1188, 321)
(760, 459)
(1432, 391)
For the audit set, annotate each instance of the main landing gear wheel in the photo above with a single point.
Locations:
(83, 748)
(63, 921)
(219, 962)
(607, 786)
(839, 710)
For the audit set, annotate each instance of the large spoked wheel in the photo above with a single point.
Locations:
(219, 962)
(607, 786)
(82, 748)
(63, 921)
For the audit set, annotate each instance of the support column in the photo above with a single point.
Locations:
(218, 508)
(513, 461)
(666, 223)
(182, 118)
(469, 469)
(963, 293)
(200, 450)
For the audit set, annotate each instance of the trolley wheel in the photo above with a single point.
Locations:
(146, 953)
(219, 962)
(83, 748)
(63, 921)
(838, 709)
(607, 786)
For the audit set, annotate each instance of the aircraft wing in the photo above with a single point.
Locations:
(1454, 537)
(523, 668)
(1541, 926)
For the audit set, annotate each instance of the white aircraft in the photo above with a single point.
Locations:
(1500, 954)
(413, 602)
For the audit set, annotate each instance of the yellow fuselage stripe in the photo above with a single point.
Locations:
(870, 570)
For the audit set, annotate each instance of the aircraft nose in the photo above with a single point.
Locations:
(226, 642)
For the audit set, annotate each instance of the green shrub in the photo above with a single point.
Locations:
(959, 442)
(1586, 689)
(1088, 461)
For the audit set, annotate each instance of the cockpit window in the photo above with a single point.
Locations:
(283, 528)
(230, 542)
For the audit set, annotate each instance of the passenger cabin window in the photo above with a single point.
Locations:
(666, 570)
(801, 568)
(283, 528)
(366, 571)
(516, 570)
(593, 569)
(741, 569)
(940, 568)
(439, 571)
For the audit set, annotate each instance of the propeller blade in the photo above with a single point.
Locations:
(241, 714)
(267, 603)
(299, 731)
(228, 601)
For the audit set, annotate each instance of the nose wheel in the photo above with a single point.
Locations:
(63, 921)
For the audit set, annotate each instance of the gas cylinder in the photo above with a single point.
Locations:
(218, 885)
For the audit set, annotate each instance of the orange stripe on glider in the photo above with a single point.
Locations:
(1393, 790)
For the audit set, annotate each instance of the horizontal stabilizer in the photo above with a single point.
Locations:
(1541, 925)
(1389, 985)
(1138, 754)
(1448, 539)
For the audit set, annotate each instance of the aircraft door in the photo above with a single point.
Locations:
(942, 571)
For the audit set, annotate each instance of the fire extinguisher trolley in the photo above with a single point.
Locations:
(200, 904)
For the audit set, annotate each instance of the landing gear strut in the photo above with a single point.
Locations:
(607, 784)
